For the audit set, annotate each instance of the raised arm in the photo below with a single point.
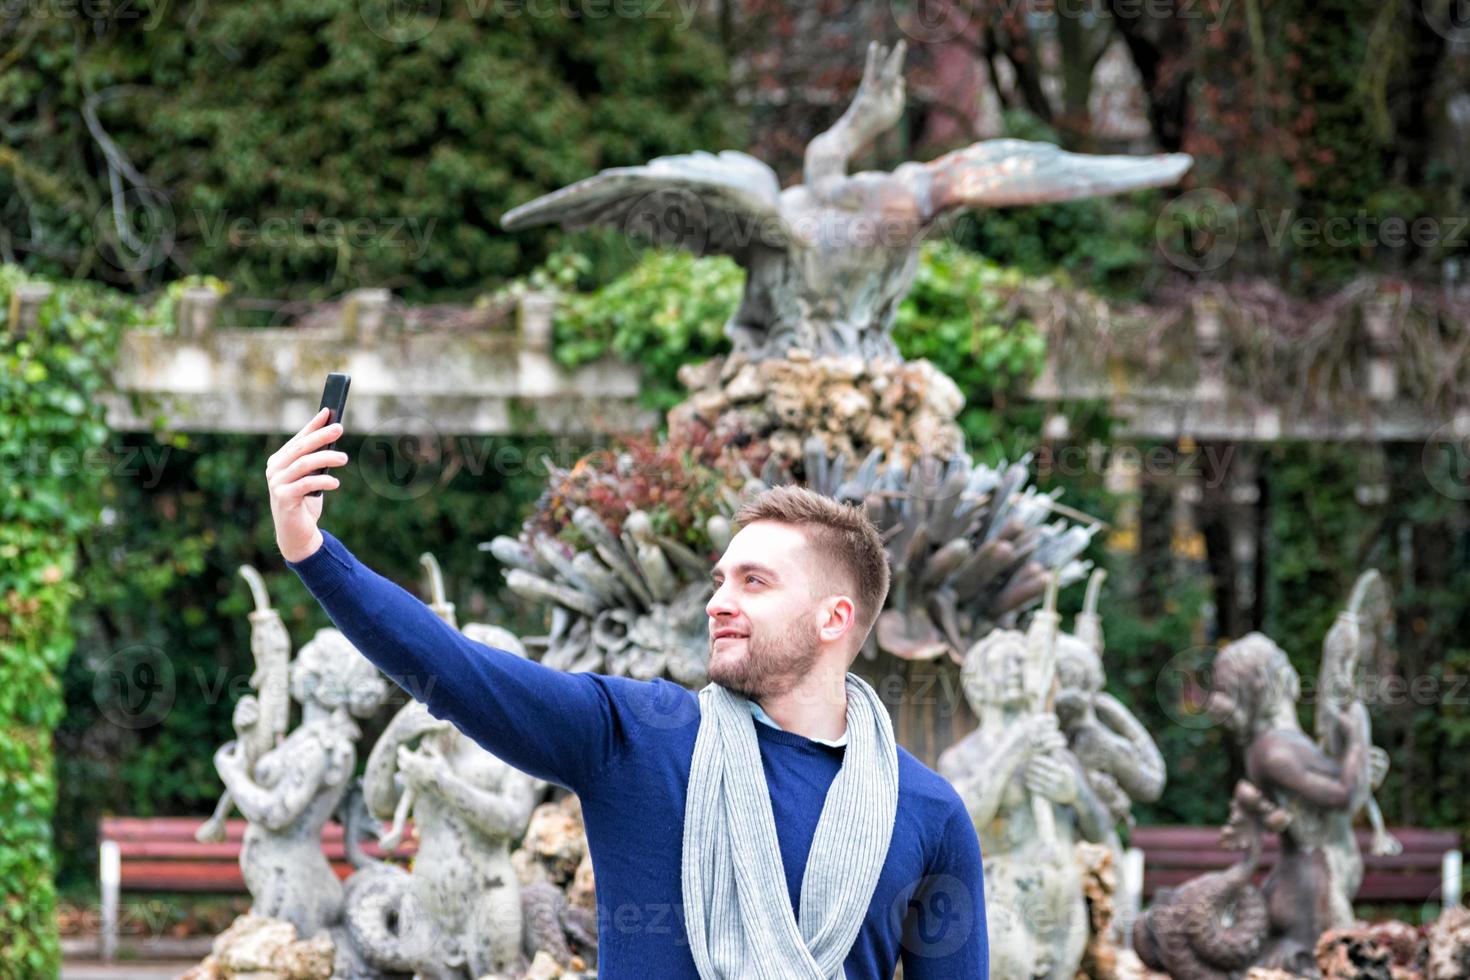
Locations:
(1299, 766)
(564, 728)
(278, 806)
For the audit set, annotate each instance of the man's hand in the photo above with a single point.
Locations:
(291, 475)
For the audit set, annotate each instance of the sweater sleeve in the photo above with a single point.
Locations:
(945, 935)
(561, 727)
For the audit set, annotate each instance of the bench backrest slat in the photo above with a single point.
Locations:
(1174, 855)
(161, 854)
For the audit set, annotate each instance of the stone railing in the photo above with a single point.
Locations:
(210, 378)
(1377, 362)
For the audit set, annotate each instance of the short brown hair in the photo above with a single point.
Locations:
(836, 531)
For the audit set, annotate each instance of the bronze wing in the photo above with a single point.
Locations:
(709, 204)
(1007, 172)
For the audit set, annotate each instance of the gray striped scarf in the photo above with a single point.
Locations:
(739, 920)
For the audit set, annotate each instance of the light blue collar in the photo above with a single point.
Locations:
(760, 715)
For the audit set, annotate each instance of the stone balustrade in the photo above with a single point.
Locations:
(1372, 364)
(208, 377)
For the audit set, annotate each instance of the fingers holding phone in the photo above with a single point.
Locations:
(292, 473)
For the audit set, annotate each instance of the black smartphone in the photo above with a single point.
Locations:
(334, 396)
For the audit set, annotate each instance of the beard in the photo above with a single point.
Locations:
(774, 661)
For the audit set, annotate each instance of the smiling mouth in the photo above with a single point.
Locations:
(726, 635)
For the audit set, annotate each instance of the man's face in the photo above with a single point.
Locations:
(765, 614)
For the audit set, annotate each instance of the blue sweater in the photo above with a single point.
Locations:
(625, 747)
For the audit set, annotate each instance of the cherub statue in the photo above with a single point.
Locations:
(1356, 644)
(1255, 696)
(828, 260)
(467, 807)
(1029, 799)
(1120, 758)
(296, 786)
(260, 719)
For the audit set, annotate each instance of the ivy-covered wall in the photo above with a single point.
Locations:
(301, 148)
(53, 440)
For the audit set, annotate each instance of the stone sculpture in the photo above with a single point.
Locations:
(1255, 696)
(1030, 802)
(260, 718)
(458, 915)
(296, 786)
(828, 261)
(1318, 785)
(816, 391)
(1214, 927)
(558, 892)
(1119, 757)
(970, 547)
(1355, 645)
(607, 614)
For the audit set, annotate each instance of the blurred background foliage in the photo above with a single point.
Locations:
(293, 151)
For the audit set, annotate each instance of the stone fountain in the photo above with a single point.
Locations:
(814, 391)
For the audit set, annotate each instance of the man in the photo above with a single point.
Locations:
(767, 827)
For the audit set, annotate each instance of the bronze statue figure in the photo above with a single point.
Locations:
(828, 261)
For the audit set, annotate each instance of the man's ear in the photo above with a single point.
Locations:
(838, 618)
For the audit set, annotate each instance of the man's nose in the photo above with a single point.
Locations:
(720, 605)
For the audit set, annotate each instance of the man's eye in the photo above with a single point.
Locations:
(752, 580)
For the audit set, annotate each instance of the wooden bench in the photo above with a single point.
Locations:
(1428, 870)
(160, 854)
